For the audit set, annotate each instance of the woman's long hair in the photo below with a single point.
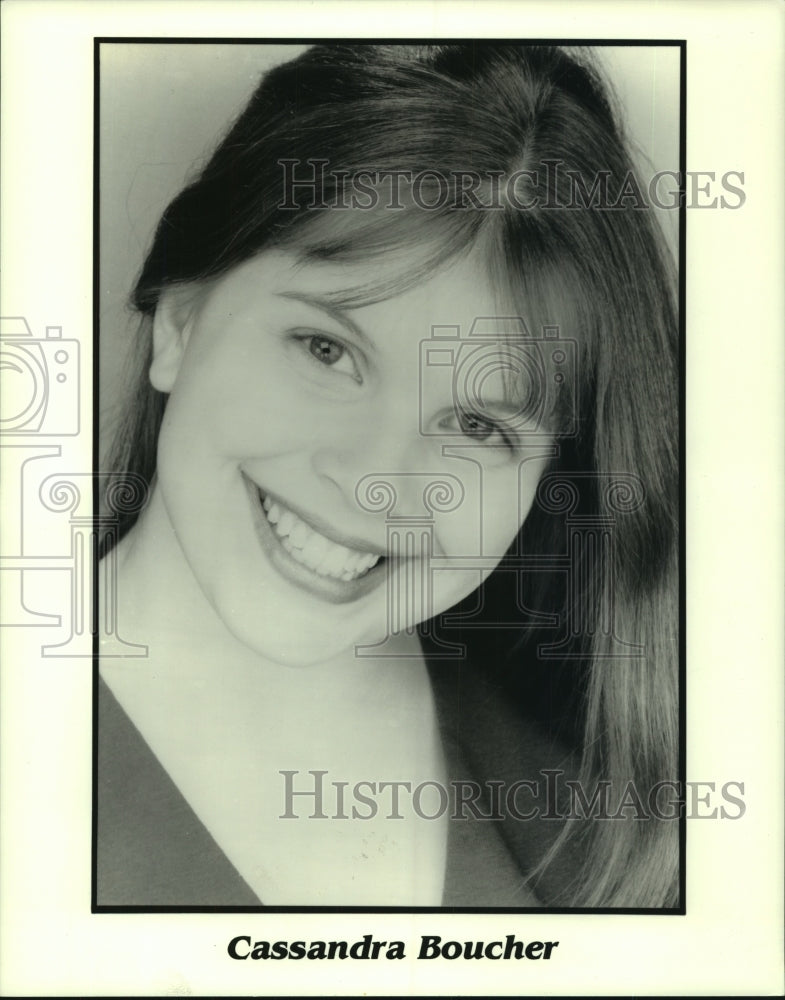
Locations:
(468, 120)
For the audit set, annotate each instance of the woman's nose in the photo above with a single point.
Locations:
(385, 444)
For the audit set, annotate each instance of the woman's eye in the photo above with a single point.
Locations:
(475, 427)
(325, 350)
(478, 428)
(331, 353)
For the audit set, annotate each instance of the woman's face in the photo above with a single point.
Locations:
(284, 412)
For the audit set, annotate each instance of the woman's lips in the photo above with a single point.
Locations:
(340, 575)
(313, 549)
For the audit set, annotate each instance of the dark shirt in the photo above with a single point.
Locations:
(153, 850)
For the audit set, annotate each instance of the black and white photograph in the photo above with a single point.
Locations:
(394, 464)
(391, 436)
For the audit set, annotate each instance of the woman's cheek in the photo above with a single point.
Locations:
(266, 412)
(505, 501)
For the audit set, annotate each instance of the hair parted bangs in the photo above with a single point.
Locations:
(445, 143)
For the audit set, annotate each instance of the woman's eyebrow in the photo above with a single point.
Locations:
(333, 311)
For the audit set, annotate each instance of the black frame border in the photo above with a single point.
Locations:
(681, 262)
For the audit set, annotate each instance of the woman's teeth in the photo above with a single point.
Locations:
(313, 550)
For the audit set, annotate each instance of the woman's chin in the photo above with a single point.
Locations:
(299, 648)
(317, 634)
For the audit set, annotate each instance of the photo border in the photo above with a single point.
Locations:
(681, 265)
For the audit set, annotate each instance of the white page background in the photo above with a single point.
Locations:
(730, 940)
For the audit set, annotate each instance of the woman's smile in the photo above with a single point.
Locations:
(307, 557)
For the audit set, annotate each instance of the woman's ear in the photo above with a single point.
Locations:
(171, 329)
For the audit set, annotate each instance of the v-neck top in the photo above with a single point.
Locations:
(153, 850)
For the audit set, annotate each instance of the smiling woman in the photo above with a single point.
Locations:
(361, 405)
